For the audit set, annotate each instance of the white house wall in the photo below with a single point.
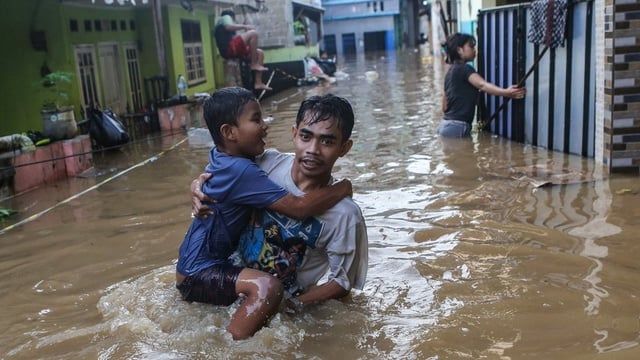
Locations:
(358, 27)
(358, 17)
(344, 10)
(468, 15)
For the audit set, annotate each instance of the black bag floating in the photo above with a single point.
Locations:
(106, 129)
(327, 66)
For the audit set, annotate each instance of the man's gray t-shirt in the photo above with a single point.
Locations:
(340, 251)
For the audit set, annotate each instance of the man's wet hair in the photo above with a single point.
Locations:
(326, 107)
(224, 106)
(454, 42)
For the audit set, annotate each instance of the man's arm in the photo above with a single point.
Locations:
(297, 207)
(324, 292)
(346, 248)
(313, 202)
(198, 198)
(236, 27)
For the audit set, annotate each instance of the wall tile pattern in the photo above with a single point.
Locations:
(621, 93)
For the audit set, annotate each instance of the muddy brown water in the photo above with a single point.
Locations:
(468, 260)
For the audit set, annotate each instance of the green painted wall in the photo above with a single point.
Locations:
(290, 53)
(175, 52)
(21, 95)
(94, 26)
(20, 92)
(147, 43)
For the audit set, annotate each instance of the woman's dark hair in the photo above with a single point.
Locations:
(326, 107)
(224, 107)
(454, 42)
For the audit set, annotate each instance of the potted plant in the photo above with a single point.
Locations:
(58, 119)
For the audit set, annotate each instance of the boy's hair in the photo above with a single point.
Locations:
(327, 107)
(454, 42)
(228, 12)
(224, 106)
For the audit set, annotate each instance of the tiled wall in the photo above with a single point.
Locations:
(599, 14)
(621, 128)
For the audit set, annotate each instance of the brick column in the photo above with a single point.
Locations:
(621, 151)
(601, 155)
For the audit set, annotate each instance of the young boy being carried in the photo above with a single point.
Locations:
(204, 272)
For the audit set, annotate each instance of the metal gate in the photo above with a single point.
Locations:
(558, 112)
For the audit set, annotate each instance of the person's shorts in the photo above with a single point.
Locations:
(454, 128)
(237, 48)
(214, 285)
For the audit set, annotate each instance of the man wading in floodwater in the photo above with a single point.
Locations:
(204, 272)
(336, 241)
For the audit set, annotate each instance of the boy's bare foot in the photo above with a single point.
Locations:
(259, 68)
(262, 87)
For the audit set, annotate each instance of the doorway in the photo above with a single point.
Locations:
(111, 74)
(330, 45)
(349, 43)
(375, 41)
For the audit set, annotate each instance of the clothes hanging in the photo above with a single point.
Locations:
(548, 22)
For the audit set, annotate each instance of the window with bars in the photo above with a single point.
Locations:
(86, 67)
(133, 70)
(193, 55)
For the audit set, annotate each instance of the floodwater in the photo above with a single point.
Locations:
(468, 260)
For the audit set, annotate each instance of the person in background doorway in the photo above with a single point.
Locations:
(240, 46)
(461, 86)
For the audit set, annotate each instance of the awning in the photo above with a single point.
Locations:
(301, 9)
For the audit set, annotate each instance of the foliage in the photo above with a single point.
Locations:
(299, 28)
(4, 213)
(57, 85)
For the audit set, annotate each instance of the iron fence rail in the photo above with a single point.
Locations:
(558, 112)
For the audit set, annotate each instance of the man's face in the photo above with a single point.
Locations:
(317, 147)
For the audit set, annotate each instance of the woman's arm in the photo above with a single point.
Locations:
(512, 91)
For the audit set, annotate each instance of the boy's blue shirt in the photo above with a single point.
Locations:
(239, 185)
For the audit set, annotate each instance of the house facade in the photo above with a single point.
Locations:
(357, 26)
(113, 49)
(116, 50)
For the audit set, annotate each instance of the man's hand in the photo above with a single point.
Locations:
(198, 197)
(324, 292)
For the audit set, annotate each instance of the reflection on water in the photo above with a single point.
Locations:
(467, 260)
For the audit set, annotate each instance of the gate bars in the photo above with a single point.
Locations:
(559, 110)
